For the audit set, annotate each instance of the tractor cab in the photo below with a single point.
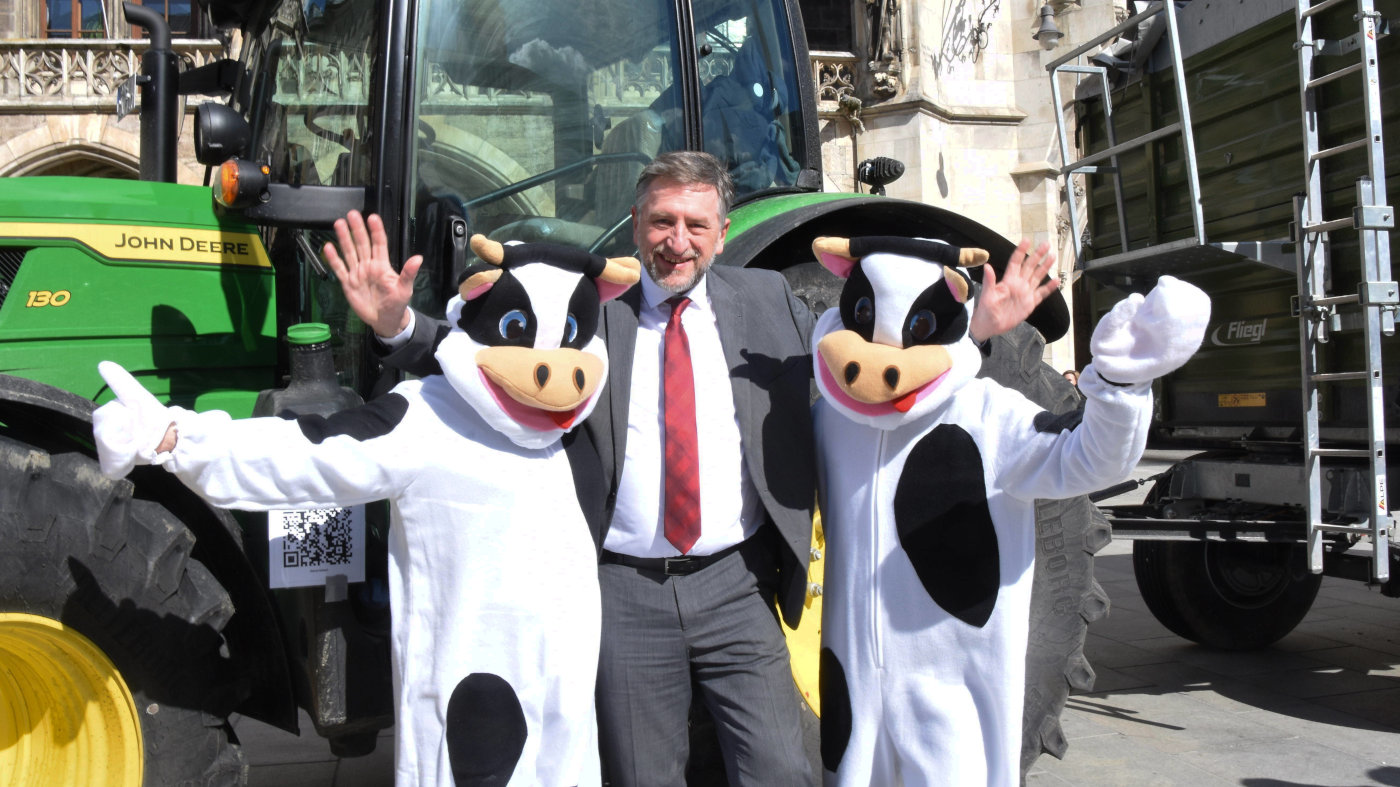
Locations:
(525, 120)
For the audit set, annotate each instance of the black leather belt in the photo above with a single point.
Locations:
(679, 566)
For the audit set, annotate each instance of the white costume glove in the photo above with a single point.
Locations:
(129, 428)
(1142, 339)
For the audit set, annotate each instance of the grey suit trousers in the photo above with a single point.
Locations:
(718, 625)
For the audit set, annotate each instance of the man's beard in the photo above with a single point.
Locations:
(653, 267)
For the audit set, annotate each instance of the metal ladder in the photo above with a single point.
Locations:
(1318, 309)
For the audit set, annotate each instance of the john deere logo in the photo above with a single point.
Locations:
(1238, 332)
(200, 246)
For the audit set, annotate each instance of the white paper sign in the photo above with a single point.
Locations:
(306, 547)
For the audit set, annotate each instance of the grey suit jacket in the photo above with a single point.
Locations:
(765, 332)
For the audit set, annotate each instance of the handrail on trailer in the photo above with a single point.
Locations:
(1089, 164)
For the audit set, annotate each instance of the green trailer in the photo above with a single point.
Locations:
(1208, 157)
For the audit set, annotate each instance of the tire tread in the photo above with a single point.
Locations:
(119, 570)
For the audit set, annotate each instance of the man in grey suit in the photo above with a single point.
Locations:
(709, 614)
(678, 607)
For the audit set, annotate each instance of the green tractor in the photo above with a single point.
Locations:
(134, 618)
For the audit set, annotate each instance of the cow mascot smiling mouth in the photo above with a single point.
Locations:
(928, 478)
(492, 569)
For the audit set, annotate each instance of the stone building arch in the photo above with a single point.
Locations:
(460, 160)
(73, 145)
(76, 158)
(88, 145)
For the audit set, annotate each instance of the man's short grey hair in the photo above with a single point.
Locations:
(688, 168)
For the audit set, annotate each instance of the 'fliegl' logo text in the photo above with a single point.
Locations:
(1238, 332)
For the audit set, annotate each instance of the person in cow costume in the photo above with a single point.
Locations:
(928, 477)
(493, 582)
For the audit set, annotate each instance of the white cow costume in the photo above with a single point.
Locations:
(928, 481)
(492, 571)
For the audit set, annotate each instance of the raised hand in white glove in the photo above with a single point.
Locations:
(129, 429)
(1141, 339)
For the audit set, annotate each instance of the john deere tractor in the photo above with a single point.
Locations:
(134, 618)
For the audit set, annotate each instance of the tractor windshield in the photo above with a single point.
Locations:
(534, 117)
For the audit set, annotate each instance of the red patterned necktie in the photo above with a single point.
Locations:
(682, 513)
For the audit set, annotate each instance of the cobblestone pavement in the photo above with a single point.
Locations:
(1321, 707)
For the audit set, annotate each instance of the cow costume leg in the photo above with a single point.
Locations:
(485, 730)
(928, 482)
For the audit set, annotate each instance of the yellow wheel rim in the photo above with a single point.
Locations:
(66, 715)
(805, 642)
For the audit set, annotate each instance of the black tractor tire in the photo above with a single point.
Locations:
(1065, 597)
(80, 550)
(1227, 596)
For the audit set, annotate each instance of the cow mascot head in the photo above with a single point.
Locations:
(898, 345)
(522, 351)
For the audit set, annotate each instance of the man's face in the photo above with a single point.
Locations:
(678, 232)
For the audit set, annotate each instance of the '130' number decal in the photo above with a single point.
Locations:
(47, 298)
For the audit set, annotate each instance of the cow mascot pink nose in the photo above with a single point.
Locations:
(928, 480)
(492, 569)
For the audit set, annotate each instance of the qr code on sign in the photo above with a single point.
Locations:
(317, 538)
(306, 548)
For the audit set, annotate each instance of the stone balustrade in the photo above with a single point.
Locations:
(79, 76)
(835, 76)
(74, 75)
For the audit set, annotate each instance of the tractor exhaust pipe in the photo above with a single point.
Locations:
(160, 96)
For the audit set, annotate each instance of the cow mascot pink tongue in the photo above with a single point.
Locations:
(928, 480)
(492, 570)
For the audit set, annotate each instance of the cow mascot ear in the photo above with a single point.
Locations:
(898, 345)
(835, 255)
(617, 277)
(523, 349)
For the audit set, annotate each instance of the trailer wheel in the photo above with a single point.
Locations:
(112, 662)
(1150, 568)
(1229, 596)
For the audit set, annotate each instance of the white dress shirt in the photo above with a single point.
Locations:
(729, 503)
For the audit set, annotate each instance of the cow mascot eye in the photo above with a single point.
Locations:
(513, 324)
(570, 328)
(864, 311)
(922, 325)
